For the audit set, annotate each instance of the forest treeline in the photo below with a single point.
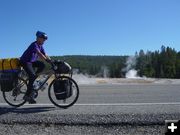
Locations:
(159, 64)
(163, 63)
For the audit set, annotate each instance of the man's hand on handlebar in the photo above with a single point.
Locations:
(49, 61)
(54, 67)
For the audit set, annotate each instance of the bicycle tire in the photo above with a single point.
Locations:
(70, 104)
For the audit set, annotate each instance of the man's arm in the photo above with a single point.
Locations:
(48, 57)
(44, 57)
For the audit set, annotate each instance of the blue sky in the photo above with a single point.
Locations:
(89, 27)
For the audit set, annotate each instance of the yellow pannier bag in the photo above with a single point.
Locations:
(9, 64)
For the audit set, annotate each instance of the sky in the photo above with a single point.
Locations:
(89, 27)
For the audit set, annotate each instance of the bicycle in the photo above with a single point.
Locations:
(66, 98)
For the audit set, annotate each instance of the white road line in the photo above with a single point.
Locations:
(104, 104)
(129, 104)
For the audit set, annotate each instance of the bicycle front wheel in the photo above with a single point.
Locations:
(15, 96)
(70, 98)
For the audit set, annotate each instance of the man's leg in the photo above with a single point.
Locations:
(39, 65)
(32, 76)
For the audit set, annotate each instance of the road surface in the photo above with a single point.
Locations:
(101, 109)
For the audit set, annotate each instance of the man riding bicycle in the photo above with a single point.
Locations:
(29, 61)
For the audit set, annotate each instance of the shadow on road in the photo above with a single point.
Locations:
(4, 110)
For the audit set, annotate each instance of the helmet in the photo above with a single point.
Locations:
(41, 35)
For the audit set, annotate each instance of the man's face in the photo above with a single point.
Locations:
(41, 41)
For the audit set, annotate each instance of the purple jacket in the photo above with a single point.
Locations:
(30, 55)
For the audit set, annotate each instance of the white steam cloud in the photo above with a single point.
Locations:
(84, 79)
(129, 69)
(105, 71)
(132, 74)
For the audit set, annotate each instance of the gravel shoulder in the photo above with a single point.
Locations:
(34, 129)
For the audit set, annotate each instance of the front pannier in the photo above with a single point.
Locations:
(62, 89)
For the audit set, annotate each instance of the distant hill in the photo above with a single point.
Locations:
(164, 63)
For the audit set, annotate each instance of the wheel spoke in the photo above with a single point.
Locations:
(15, 96)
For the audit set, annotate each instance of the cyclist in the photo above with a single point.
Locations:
(29, 61)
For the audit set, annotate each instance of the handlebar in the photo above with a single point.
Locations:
(53, 66)
(60, 67)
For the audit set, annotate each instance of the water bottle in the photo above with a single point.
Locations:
(36, 84)
(41, 82)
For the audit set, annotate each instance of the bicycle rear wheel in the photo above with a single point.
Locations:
(15, 96)
(66, 102)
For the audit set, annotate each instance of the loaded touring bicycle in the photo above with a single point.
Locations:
(63, 91)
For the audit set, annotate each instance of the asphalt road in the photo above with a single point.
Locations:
(101, 109)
